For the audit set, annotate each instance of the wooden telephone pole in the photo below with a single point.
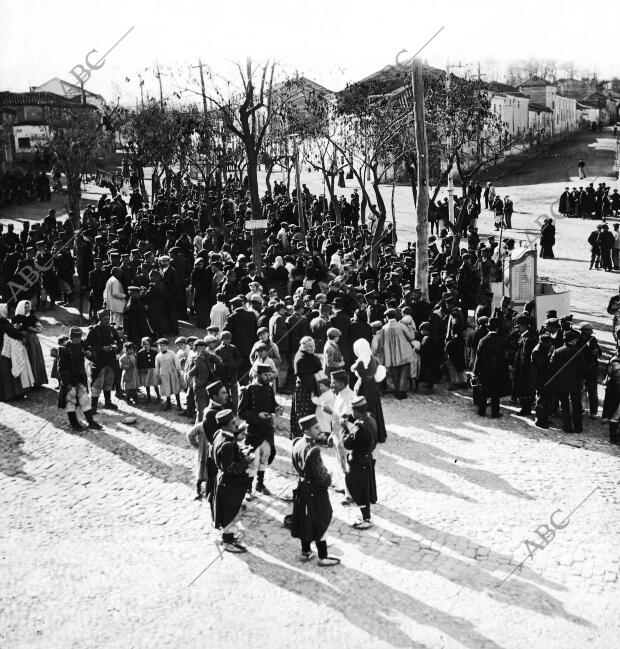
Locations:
(421, 258)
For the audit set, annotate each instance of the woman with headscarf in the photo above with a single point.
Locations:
(306, 365)
(365, 368)
(27, 323)
(10, 386)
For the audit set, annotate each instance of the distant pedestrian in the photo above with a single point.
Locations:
(547, 239)
(581, 165)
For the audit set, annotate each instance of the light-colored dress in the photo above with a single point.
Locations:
(130, 379)
(168, 369)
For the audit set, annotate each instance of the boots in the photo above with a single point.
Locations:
(94, 401)
(73, 420)
(249, 495)
(614, 438)
(91, 422)
(107, 395)
(260, 484)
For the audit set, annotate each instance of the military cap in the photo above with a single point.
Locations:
(586, 325)
(214, 388)
(162, 341)
(359, 402)
(201, 343)
(571, 334)
(75, 331)
(191, 339)
(224, 417)
(339, 375)
(180, 341)
(524, 319)
(210, 338)
(236, 302)
(262, 368)
(307, 422)
(261, 330)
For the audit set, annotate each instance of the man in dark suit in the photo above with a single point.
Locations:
(491, 369)
(242, 326)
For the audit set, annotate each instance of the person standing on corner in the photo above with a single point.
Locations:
(312, 510)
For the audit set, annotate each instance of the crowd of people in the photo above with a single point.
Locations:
(322, 318)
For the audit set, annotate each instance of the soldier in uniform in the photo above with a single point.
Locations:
(360, 439)
(257, 406)
(72, 377)
(232, 461)
(312, 511)
(104, 343)
(201, 437)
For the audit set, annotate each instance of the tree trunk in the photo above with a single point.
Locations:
(257, 235)
(421, 258)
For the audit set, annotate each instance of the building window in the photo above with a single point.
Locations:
(23, 142)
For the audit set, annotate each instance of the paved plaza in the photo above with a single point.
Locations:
(103, 546)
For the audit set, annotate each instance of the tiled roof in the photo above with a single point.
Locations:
(539, 108)
(38, 99)
(535, 81)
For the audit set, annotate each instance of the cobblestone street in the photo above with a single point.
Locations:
(100, 539)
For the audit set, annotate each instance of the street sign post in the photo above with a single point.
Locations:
(256, 224)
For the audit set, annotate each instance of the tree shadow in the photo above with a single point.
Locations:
(437, 458)
(367, 603)
(472, 576)
(139, 459)
(391, 464)
(12, 455)
(446, 432)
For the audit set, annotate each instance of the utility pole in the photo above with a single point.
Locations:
(421, 258)
(204, 104)
(161, 92)
(300, 205)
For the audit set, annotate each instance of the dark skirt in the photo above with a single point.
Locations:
(312, 512)
(369, 389)
(228, 501)
(10, 386)
(360, 480)
(300, 407)
(35, 356)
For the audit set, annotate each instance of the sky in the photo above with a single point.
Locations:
(330, 42)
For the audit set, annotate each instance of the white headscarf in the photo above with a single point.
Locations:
(4, 311)
(361, 348)
(279, 262)
(20, 309)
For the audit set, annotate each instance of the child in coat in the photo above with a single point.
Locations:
(130, 381)
(168, 370)
(145, 362)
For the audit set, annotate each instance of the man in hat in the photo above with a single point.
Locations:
(523, 388)
(97, 280)
(567, 372)
(541, 358)
(201, 437)
(360, 439)
(72, 377)
(104, 343)
(257, 406)
(393, 345)
(114, 297)
(232, 461)
(591, 353)
(491, 369)
(242, 325)
(312, 511)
